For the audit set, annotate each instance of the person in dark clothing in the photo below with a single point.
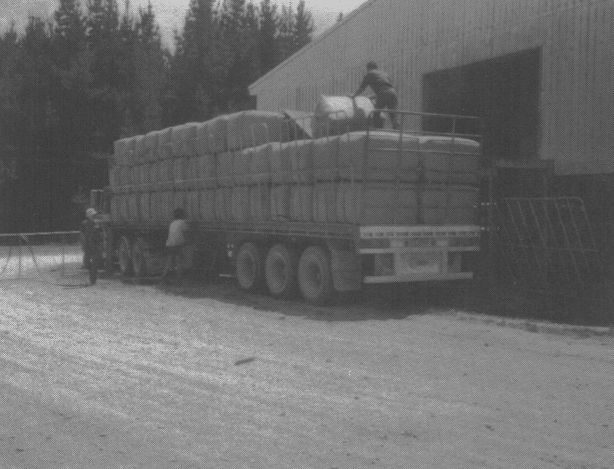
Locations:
(91, 233)
(385, 94)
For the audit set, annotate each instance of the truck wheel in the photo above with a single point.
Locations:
(124, 255)
(315, 278)
(140, 258)
(249, 267)
(280, 271)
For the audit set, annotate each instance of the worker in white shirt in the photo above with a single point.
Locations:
(175, 245)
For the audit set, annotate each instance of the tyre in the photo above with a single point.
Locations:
(124, 254)
(140, 258)
(280, 271)
(315, 278)
(249, 267)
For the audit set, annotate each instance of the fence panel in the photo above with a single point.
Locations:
(55, 258)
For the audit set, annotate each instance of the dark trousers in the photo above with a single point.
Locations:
(386, 100)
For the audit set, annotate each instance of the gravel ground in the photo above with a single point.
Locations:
(118, 375)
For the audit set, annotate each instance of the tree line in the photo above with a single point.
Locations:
(72, 85)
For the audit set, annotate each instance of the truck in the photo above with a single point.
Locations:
(314, 204)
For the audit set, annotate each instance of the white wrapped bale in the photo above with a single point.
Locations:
(206, 170)
(335, 115)
(225, 169)
(193, 205)
(325, 203)
(280, 163)
(253, 128)
(164, 148)
(144, 208)
(217, 129)
(452, 205)
(240, 165)
(388, 156)
(123, 149)
(204, 140)
(382, 204)
(138, 155)
(260, 202)
(455, 160)
(260, 162)
(180, 200)
(300, 156)
(301, 203)
(280, 202)
(150, 145)
(325, 158)
(183, 139)
(240, 204)
(223, 204)
(207, 205)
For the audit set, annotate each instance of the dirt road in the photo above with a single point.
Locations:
(133, 376)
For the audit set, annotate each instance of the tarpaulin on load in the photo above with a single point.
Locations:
(454, 160)
(183, 139)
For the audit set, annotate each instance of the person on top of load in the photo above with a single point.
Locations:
(175, 244)
(385, 94)
(91, 233)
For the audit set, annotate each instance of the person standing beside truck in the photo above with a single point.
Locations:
(385, 95)
(175, 244)
(91, 232)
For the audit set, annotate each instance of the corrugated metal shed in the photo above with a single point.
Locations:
(413, 38)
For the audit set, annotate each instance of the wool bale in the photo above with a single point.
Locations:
(180, 170)
(325, 158)
(224, 169)
(260, 161)
(280, 202)
(167, 205)
(206, 169)
(123, 149)
(300, 153)
(280, 164)
(223, 204)
(455, 160)
(260, 202)
(379, 156)
(217, 128)
(183, 139)
(204, 139)
(133, 206)
(139, 149)
(335, 115)
(301, 203)
(377, 203)
(180, 200)
(240, 204)
(114, 176)
(253, 128)
(240, 165)
(455, 204)
(164, 148)
(144, 206)
(192, 206)
(150, 145)
(325, 202)
(207, 204)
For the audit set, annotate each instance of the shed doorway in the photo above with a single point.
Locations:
(503, 91)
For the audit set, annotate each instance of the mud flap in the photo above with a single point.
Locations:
(346, 268)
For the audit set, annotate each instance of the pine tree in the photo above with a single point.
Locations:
(269, 30)
(286, 33)
(303, 27)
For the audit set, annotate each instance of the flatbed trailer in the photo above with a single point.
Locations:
(316, 259)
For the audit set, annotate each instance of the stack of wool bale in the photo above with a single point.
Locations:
(192, 166)
(249, 167)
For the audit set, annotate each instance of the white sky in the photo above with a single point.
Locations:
(171, 12)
